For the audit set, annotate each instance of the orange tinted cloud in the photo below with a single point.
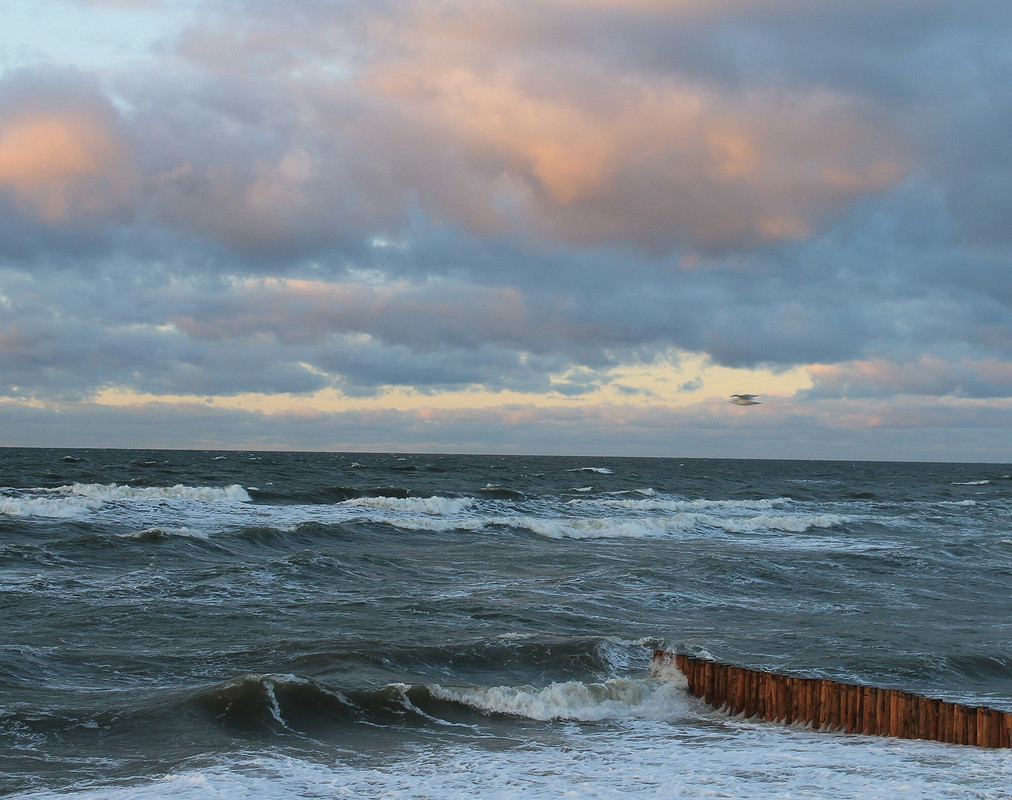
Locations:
(60, 163)
(591, 154)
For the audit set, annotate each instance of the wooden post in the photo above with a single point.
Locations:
(831, 700)
(751, 681)
(720, 686)
(896, 713)
(869, 709)
(946, 723)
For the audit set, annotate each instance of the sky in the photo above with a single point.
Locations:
(508, 226)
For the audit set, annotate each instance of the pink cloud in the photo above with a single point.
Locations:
(62, 163)
(587, 153)
(927, 376)
(498, 117)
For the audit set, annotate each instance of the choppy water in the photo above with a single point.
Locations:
(209, 624)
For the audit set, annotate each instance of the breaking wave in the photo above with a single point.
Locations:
(69, 502)
(416, 505)
(107, 492)
(56, 508)
(281, 703)
(618, 698)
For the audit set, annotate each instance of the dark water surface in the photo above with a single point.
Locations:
(224, 624)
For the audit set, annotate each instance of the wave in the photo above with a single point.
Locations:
(285, 702)
(109, 492)
(496, 492)
(602, 528)
(159, 534)
(294, 704)
(971, 483)
(436, 506)
(56, 508)
(780, 522)
(639, 528)
(258, 701)
(73, 501)
(653, 503)
(616, 527)
(598, 470)
(619, 698)
(323, 495)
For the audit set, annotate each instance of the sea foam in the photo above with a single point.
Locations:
(574, 700)
(53, 507)
(415, 505)
(109, 492)
(653, 761)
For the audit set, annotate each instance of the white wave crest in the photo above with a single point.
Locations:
(970, 483)
(672, 504)
(106, 492)
(57, 508)
(779, 522)
(618, 527)
(604, 527)
(573, 700)
(436, 506)
(598, 470)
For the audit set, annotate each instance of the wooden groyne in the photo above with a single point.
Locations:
(831, 705)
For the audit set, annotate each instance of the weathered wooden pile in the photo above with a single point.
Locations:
(831, 705)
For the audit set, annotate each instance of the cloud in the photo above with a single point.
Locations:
(515, 197)
(283, 134)
(286, 134)
(931, 377)
(62, 157)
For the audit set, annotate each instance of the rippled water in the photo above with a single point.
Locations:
(208, 624)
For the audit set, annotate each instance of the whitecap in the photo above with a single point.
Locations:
(110, 492)
(618, 698)
(59, 508)
(674, 504)
(603, 528)
(437, 506)
(778, 522)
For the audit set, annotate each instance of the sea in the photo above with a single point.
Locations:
(220, 624)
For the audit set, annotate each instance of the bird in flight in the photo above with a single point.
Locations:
(744, 399)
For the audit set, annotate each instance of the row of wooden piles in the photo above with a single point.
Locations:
(831, 705)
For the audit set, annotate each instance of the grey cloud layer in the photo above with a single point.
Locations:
(462, 195)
